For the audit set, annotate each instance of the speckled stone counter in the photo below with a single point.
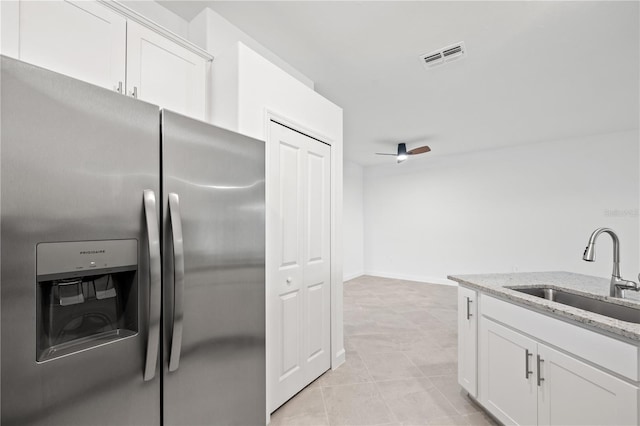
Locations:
(496, 285)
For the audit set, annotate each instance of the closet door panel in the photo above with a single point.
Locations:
(298, 264)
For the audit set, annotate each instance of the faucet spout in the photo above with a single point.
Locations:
(618, 285)
(590, 250)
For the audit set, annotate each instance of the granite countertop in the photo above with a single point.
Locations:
(595, 287)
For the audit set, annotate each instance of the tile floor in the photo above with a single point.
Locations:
(401, 343)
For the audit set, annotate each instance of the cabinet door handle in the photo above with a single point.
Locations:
(527, 354)
(119, 88)
(469, 314)
(134, 92)
(539, 365)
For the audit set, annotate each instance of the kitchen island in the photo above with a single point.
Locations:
(502, 286)
(529, 360)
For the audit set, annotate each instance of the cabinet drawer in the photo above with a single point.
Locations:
(612, 354)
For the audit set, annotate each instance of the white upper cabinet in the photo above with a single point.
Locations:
(164, 73)
(80, 39)
(106, 44)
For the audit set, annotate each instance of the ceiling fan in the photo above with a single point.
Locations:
(403, 154)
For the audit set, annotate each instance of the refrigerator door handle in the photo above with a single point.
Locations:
(178, 280)
(153, 238)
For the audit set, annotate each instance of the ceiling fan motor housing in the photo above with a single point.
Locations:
(402, 152)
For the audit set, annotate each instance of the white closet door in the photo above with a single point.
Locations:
(285, 199)
(316, 260)
(164, 73)
(298, 262)
(81, 39)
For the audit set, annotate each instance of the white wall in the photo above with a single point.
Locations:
(217, 36)
(353, 220)
(526, 208)
(266, 86)
(246, 85)
(248, 90)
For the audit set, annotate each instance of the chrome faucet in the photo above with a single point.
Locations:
(618, 285)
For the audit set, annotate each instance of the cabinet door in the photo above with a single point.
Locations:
(507, 374)
(467, 340)
(83, 39)
(575, 393)
(164, 73)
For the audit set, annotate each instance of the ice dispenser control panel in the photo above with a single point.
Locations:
(79, 257)
(87, 295)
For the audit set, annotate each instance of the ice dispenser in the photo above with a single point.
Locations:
(87, 295)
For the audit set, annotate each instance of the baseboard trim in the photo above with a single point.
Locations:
(417, 278)
(338, 359)
(348, 277)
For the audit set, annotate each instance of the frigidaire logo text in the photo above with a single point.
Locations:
(92, 251)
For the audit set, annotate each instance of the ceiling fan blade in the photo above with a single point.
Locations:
(419, 150)
(384, 153)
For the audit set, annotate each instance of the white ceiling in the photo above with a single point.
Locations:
(534, 71)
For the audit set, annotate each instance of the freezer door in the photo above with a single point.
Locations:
(214, 276)
(76, 160)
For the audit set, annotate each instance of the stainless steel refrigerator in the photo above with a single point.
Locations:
(132, 260)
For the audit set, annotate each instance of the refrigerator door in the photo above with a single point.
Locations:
(214, 274)
(76, 160)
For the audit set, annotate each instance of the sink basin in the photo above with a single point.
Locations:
(612, 310)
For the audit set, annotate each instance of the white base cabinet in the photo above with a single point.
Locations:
(524, 382)
(575, 393)
(507, 374)
(527, 373)
(467, 340)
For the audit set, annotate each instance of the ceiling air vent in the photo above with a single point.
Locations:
(444, 55)
(452, 51)
(431, 58)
